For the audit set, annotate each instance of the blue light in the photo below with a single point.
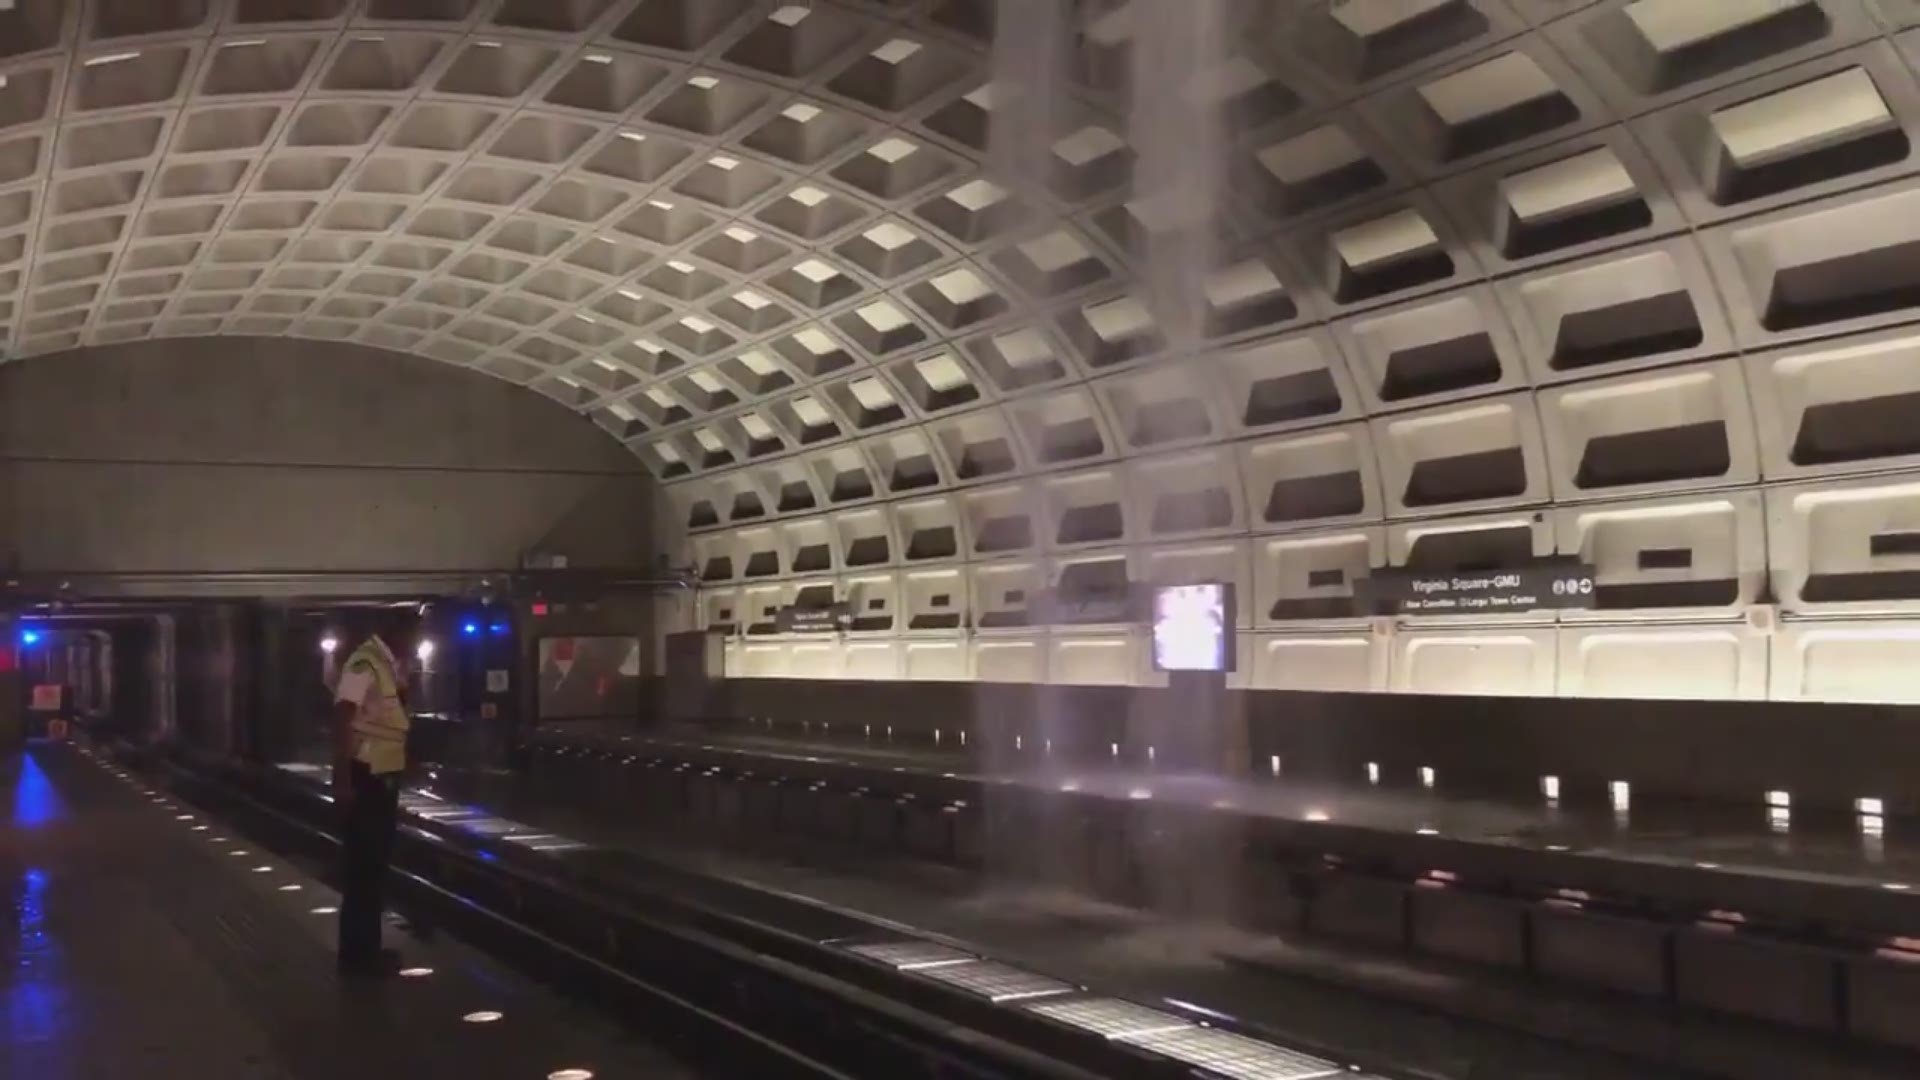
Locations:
(500, 629)
(29, 637)
(470, 629)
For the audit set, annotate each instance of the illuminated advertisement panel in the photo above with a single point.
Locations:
(1193, 627)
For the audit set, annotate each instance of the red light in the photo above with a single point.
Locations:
(540, 609)
(7, 660)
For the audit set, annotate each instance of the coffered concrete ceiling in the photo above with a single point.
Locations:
(1473, 256)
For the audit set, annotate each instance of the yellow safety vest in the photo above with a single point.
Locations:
(380, 724)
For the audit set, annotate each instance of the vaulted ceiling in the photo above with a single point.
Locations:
(1473, 254)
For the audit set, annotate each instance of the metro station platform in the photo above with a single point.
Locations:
(141, 940)
(1864, 869)
(1798, 921)
(1447, 1018)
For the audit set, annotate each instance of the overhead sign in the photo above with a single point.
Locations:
(1549, 585)
(811, 620)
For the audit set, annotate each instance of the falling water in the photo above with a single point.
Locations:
(1028, 102)
(1177, 130)
(1169, 57)
(1177, 75)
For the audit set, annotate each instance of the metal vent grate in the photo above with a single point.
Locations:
(997, 982)
(911, 955)
(1110, 1017)
(1233, 1055)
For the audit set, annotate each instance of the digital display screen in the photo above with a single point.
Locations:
(1193, 627)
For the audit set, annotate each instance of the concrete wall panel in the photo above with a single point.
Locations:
(279, 455)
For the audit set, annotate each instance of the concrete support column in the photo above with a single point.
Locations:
(270, 718)
(13, 728)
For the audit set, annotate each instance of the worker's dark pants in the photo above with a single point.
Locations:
(366, 842)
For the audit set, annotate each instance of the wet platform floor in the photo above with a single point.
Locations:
(140, 939)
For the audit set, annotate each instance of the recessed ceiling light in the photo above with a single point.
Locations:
(893, 150)
(483, 1016)
(895, 51)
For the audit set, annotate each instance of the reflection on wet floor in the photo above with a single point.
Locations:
(135, 946)
(36, 1002)
(35, 802)
(36, 995)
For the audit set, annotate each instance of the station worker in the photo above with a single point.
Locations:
(370, 756)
